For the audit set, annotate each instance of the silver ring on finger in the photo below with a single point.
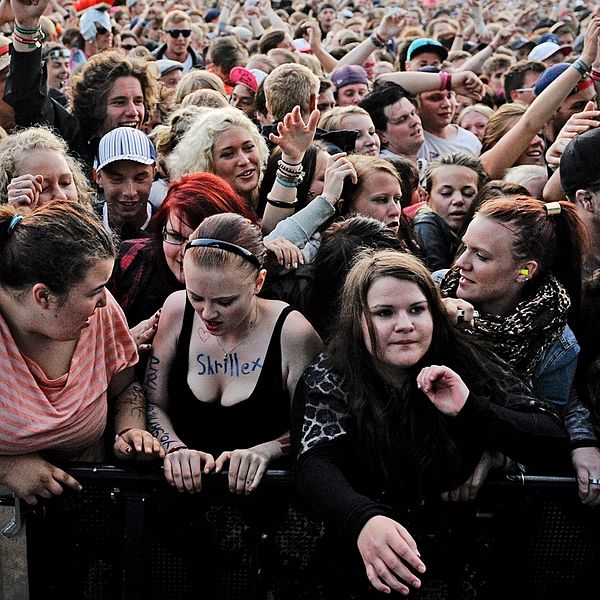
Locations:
(594, 481)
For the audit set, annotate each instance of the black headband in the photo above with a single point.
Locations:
(227, 246)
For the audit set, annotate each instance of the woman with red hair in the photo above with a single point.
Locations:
(148, 270)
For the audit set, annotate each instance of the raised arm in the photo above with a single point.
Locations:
(391, 24)
(510, 146)
(294, 136)
(414, 82)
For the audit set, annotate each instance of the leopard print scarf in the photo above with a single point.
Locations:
(521, 337)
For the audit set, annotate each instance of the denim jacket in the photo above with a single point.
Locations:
(553, 383)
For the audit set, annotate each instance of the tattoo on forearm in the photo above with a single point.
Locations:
(230, 366)
(132, 402)
(152, 373)
(156, 430)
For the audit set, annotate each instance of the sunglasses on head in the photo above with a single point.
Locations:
(100, 30)
(58, 53)
(175, 33)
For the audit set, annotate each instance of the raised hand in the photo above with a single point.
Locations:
(466, 83)
(444, 388)
(294, 135)
(28, 12)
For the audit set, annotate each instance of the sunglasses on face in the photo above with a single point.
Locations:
(128, 46)
(175, 33)
(59, 53)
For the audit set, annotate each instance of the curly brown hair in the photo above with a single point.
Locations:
(94, 82)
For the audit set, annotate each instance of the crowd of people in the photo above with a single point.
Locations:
(359, 240)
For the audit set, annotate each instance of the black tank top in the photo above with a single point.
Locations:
(214, 428)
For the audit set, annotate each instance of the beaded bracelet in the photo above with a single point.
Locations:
(281, 204)
(180, 447)
(35, 42)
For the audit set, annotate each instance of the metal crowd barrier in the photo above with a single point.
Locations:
(129, 536)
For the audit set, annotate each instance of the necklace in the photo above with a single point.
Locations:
(227, 353)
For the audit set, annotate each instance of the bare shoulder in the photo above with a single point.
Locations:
(297, 331)
(171, 317)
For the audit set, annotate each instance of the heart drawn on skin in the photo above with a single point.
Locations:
(203, 334)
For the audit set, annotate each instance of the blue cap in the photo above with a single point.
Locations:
(549, 37)
(551, 73)
(426, 45)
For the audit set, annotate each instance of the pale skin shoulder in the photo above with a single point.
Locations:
(300, 343)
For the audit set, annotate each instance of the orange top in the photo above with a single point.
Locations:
(66, 415)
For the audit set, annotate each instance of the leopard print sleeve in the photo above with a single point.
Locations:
(325, 416)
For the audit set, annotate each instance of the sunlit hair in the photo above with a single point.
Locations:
(198, 79)
(194, 153)
(232, 228)
(14, 153)
(288, 86)
(524, 174)
(55, 245)
(206, 99)
(556, 242)
(500, 123)
(333, 119)
(481, 109)
(364, 167)
(458, 159)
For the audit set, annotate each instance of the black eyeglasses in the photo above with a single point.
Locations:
(100, 30)
(170, 237)
(175, 33)
(58, 53)
(128, 46)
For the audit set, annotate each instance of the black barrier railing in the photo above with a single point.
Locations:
(128, 535)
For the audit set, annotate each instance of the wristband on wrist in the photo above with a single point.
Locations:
(281, 204)
(445, 80)
(287, 184)
(595, 76)
(26, 32)
(376, 41)
(180, 447)
(581, 67)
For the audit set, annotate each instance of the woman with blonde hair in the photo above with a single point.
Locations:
(356, 118)
(224, 142)
(197, 79)
(36, 167)
(474, 118)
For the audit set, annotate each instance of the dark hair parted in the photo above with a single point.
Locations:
(232, 228)
(395, 424)
(556, 242)
(94, 82)
(55, 245)
(380, 98)
(340, 243)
